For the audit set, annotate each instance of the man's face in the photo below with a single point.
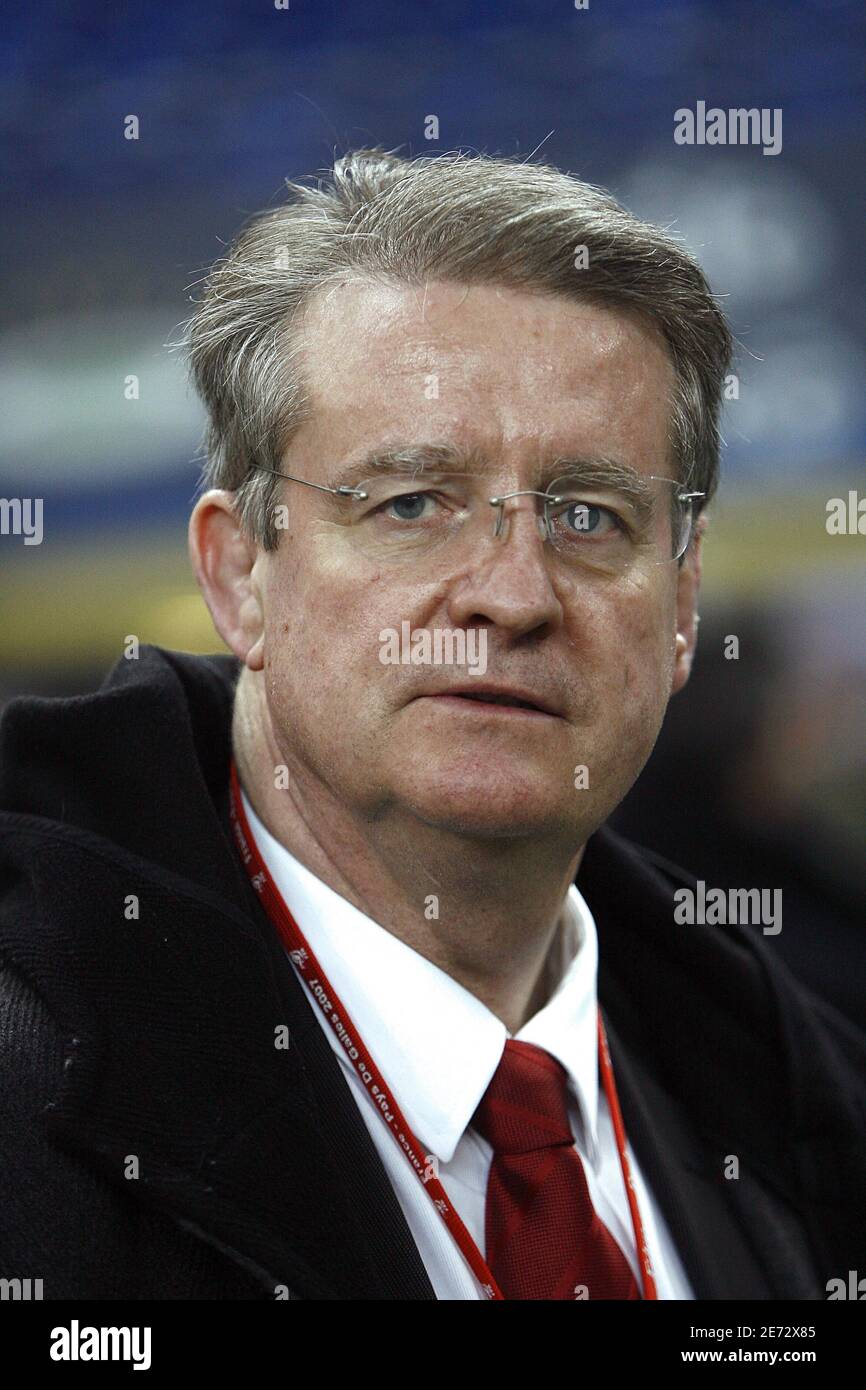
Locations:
(520, 381)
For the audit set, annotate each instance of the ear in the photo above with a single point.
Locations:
(223, 560)
(688, 588)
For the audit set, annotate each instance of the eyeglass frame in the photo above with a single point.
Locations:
(345, 491)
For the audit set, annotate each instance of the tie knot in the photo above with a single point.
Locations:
(525, 1107)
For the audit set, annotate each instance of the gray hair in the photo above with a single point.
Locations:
(471, 219)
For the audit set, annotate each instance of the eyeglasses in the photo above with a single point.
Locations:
(404, 519)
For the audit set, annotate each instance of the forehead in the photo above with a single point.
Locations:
(484, 367)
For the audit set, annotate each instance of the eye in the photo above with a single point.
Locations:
(409, 506)
(588, 519)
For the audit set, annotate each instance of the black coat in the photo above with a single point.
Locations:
(150, 1041)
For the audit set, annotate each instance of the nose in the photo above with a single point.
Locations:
(506, 579)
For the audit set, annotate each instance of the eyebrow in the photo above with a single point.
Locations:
(418, 458)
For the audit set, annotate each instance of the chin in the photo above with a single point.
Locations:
(488, 811)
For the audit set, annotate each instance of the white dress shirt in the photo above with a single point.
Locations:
(437, 1047)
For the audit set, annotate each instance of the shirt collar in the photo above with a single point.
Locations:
(435, 1043)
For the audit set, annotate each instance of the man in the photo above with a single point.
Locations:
(302, 997)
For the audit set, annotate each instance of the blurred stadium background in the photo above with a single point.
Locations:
(760, 773)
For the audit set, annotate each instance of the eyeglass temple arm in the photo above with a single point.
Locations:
(342, 491)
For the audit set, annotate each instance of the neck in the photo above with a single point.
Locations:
(486, 911)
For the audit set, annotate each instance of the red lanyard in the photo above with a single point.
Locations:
(350, 1039)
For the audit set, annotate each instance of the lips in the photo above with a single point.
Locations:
(500, 700)
(513, 698)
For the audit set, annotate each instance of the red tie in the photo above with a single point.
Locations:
(544, 1239)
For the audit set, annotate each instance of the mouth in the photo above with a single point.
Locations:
(494, 702)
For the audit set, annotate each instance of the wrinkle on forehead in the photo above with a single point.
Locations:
(530, 369)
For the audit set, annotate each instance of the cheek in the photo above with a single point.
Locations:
(627, 633)
(631, 641)
(647, 665)
(323, 621)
